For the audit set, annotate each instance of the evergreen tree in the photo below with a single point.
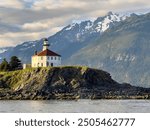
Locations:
(15, 63)
(4, 66)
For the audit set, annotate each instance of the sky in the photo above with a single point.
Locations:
(29, 20)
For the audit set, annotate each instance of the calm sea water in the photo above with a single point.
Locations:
(81, 106)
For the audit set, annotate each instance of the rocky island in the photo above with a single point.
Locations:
(65, 83)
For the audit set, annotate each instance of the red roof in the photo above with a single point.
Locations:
(47, 52)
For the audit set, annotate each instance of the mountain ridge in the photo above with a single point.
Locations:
(126, 51)
(122, 49)
(71, 38)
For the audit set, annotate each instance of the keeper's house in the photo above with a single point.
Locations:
(46, 57)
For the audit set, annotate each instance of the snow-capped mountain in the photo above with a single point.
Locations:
(69, 40)
(116, 43)
(100, 25)
(122, 50)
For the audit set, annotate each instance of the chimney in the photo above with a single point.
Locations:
(35, 53)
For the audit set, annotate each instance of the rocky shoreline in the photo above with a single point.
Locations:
(65, 96)
(65, 83)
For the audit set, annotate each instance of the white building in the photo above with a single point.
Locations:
(46, 57)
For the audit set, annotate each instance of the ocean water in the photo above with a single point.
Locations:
(80, 106)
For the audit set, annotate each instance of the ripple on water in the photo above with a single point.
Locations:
(80, 106)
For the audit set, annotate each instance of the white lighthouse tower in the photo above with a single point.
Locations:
(45, 44)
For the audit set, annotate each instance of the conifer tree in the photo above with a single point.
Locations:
(15, 63)
(4, 66)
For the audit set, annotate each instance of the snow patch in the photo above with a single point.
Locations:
(125, 57)
(103, 25)
(3, 50)
(78, 36)
(99, 26)
(70, 26)
(89, 26)
(132, 58)
(119, 58)
(26, 47)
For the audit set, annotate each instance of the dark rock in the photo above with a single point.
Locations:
(67, 83)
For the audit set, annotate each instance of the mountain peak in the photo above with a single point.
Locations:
(133, 15)
(110, 13)
(100, 25)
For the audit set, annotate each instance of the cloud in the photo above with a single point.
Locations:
(89, 5)
(11, 39)
(56, 4)
(11, 4)
(35, 26)
(8, 28)
(24, 20)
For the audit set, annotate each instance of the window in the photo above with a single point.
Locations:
(42, 58)
(55, 58)
(51, 58)
(48, 57)
(47, 63)
(42, 64)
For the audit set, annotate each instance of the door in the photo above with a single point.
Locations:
(52, 64)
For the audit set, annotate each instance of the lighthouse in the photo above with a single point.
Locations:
(46, 57)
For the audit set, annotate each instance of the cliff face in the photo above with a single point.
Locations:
(65, 83)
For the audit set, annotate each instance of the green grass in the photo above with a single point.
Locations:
(13, 79)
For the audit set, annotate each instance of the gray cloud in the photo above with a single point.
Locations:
(23, 20)
(8, 28)
(17, 16)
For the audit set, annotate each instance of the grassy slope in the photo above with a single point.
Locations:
(14, 79)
